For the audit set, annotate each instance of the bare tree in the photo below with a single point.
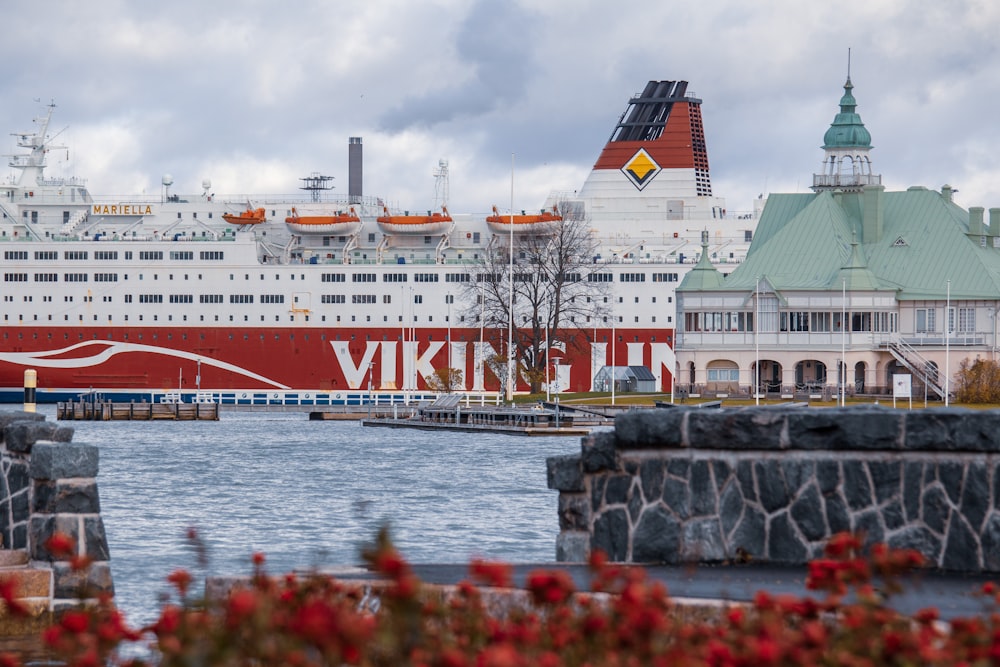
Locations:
(557, 289)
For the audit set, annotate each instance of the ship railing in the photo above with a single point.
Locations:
(310, 399)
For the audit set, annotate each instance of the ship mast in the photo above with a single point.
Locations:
(314, 184)
(32, 165)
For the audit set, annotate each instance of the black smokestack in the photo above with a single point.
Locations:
(354, 164)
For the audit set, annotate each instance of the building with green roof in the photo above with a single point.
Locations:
(847, 276)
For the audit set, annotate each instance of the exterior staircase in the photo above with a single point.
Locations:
(920, 367)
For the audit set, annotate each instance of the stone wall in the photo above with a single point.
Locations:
(49, 485)
(772, 484)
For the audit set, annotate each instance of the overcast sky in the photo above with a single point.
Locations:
(254, 95)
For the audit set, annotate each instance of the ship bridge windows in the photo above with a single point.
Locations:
(150, 298)
(633, 277)
(457, 277)
(333, 298)
(209, 298)
(664, 277)
(105, 277)
(600, 278)
(425, 278)
(363, 278)
(181, 298)
(362, 298)
(75, 277)
(47, 255)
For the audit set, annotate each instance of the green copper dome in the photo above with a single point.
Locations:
(847, 130)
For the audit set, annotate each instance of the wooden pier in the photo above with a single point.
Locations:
(132, 411)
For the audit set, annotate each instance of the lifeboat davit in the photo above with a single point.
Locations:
(545, 222)
(251, 216)
(432, 223)
(339, 223)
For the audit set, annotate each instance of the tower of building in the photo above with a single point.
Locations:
(846, 164)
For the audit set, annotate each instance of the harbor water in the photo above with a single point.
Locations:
(311, 494)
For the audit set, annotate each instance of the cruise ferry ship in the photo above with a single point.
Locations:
(321, 299)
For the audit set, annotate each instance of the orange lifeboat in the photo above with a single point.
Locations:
(432, 223)
(251, 216)
(545, 222)
(339, 223)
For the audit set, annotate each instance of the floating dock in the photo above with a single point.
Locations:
(132, 411)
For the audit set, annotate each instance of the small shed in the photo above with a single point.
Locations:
(625, 378)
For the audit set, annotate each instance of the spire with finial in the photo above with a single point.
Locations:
(846, 165)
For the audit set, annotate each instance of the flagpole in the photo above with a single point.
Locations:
(510, 293)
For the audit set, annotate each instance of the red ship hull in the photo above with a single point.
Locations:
(149, 359)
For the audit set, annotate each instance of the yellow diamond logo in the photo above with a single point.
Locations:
(641, 169)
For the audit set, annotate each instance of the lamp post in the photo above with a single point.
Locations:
(613, 373)
(371, 365)
(756, 344)
(947, 343)
(843, 344)
(447, 299)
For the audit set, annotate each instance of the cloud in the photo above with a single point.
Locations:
(256, 94)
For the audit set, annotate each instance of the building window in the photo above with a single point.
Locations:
(925, 320)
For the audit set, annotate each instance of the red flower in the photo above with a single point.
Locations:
(181, 579)
(493, 574)
(75, 621)
(550, 587)
(169, 621)
(242, 603)
(60, 544)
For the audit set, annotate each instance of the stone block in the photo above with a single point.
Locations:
(745, 428)
(701, 541)
(574, 512)
(598, 452)
(43, 526)
(657, 537)
(20, 436)
(60, 460)
(611, 534)
(953, 430)
(858, 428)
(66, 496)
(563, 473)
(573, 547)
(95, 539)
(650, 429)
(72, 584)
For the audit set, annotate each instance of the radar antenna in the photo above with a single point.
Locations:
(441, 184)
(314, 184)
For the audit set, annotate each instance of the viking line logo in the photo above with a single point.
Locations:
(641, 169)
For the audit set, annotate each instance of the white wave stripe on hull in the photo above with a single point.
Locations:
(111, 349)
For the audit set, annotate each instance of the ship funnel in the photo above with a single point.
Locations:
(354, 172)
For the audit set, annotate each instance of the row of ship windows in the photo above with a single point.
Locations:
(336, 337)
(271, 298)
(20, 277)
(620, 319)
(112, 255)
